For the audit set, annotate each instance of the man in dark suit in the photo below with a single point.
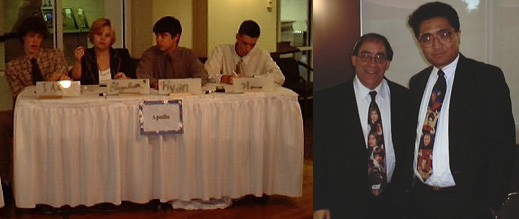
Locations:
(472, 154)
(359, 169)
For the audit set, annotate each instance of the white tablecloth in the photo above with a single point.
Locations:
(87, 150)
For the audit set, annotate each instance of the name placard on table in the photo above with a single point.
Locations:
(161, 117)
(180, 86)
(129, 86)
(57, 89)
(252, 84)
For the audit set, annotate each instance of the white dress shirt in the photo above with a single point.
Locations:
(383, 100)
(441, 175)
(257, 63)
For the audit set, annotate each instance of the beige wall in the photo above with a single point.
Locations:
(146, 13)
(180, 9)
(141, 27)
(225, 17)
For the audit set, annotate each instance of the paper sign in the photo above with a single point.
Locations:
(161, 117)
(185, 85)
(252, 84)
(141, 86)
(56, 89)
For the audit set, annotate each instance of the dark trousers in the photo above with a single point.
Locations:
(425, 203)
(386, 205)
(6, 146)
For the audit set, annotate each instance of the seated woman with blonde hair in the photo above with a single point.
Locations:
(102, 62)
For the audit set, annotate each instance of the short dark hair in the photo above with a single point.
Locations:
(169, 25)
(250, 28)
(32, 25)
(433, 10)
(373, 37)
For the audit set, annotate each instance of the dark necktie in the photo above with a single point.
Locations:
(239, 67)
(169, 67)
(35, 71)
(377, 177)
(425, 148)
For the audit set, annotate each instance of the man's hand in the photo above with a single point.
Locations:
(58, 77)
(322, 214)
(64, 77)
(228, 78)
(120, 75)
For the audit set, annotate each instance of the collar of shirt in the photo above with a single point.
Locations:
(172, 53)
(37, 56)
(449, 70)
(245, 57)
(362, 92)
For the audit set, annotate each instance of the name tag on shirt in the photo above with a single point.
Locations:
(180, 86)
(57, 89)
(129, 86)
(252, 84)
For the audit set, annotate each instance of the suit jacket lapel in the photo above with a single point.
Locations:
(462, 79)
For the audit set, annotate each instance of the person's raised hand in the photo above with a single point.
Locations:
(79, 52)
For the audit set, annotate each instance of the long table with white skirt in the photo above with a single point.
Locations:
(89, 149)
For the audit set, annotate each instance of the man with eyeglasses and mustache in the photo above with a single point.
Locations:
(352, 177)
(472, 153)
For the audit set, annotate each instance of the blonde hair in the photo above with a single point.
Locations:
(96, 27)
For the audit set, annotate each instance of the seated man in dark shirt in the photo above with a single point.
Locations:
(168, 60)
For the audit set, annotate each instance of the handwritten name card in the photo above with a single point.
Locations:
(161, 117)
(118, 86)
(252, 84)
(179, 86)
(57, 89)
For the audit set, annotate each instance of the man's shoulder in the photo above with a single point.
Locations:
(16, 61)
(259, 50)
(476, 66)
(420, 75)
(334, 90)
(185, 50)
(393, 86)
(154, 49)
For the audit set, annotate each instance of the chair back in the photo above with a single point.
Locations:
(290, 69)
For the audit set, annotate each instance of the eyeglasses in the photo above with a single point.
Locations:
(444, 36)
(379, 59)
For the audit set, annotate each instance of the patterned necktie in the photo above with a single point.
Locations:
(425, 148)
(377, 177)
(35, 71)
(239, 67)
